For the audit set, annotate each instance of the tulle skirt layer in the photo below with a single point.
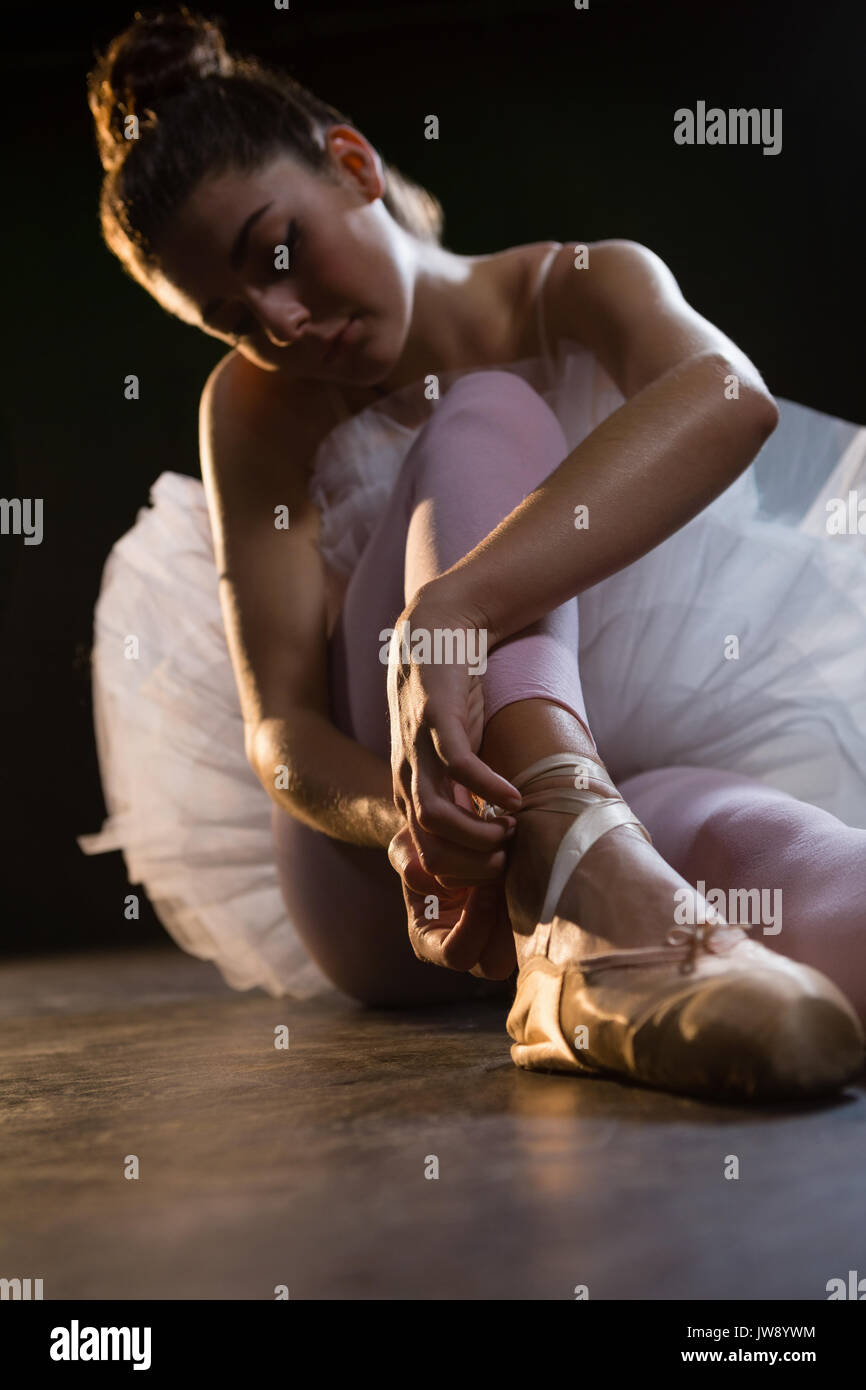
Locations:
(739, 643)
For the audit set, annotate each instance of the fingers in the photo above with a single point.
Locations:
(462, 765)
(468, 851)
(439, 819)
(471, 934)
(473, 945)
(457, 946)
(432, 937)
(498, 958)
(454, 867)
(457, 875)
(433, 809)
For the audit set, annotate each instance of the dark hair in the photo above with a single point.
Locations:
(202, 110)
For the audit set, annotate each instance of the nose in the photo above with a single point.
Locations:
(281, 315)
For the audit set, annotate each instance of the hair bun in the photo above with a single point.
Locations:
(154, 58)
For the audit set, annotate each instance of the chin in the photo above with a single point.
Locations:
(371, 374)
(376, 355)
(364, 370)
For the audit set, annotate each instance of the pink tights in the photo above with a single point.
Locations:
(491, 441)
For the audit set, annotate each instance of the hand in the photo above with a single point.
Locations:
(437, 722)
(460, 928)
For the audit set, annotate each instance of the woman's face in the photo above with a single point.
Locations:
(224, 260)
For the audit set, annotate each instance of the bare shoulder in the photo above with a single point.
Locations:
(582, 281)
(520, 268)
(592, 280)
(619, 299)
(256, 423)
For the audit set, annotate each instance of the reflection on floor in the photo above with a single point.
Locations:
(312, 1166)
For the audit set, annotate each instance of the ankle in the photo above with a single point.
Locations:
(601, 785)
(521, 733)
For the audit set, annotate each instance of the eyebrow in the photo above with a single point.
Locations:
(236, 255)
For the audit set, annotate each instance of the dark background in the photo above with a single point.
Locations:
(555, 124)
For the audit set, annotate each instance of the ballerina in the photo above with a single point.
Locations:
(392, 440)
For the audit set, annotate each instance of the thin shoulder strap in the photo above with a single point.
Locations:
(540, 282)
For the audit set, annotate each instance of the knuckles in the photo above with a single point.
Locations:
(430, 859)
(430, 822)
(453, 956)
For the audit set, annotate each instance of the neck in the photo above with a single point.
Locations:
(460, 317)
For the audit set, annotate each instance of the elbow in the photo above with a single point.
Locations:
(744, 394)
(766, 413)
(268, 757)
(273, 745)
(760, 416)
(252, 746)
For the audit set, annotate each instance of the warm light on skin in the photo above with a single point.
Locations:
(349, 257)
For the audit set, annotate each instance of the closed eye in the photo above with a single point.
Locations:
(246, 326)
(277, 263)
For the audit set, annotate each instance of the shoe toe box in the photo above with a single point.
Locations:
(770, 1035)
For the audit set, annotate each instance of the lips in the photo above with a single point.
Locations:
(333, 342)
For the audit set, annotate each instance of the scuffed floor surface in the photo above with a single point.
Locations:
(306, 1166)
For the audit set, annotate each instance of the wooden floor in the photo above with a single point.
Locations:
(306, 1167)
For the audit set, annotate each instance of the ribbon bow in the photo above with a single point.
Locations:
(706, 936)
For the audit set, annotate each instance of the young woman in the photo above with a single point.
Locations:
(408, 445)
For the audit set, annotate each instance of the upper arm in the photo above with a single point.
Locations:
(627, 308)
(271, 580)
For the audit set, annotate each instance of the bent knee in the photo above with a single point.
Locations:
(492, 415)
(499, 395)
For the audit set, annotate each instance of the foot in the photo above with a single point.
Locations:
(611, 982)
(621, 894)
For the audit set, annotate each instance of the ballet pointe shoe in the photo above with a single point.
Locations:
(708, 1012)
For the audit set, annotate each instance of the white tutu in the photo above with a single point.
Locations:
(184, 804)
(739, 643)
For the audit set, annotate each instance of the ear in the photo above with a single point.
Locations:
(356, 157)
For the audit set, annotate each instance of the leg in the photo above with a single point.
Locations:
(710, 1013)
(532, 695)
(483, 445)
(490, 442)
(534, 705)
(346, 904)
(734, 833)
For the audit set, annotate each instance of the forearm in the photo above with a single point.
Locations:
(641, 475)
(325, 779)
